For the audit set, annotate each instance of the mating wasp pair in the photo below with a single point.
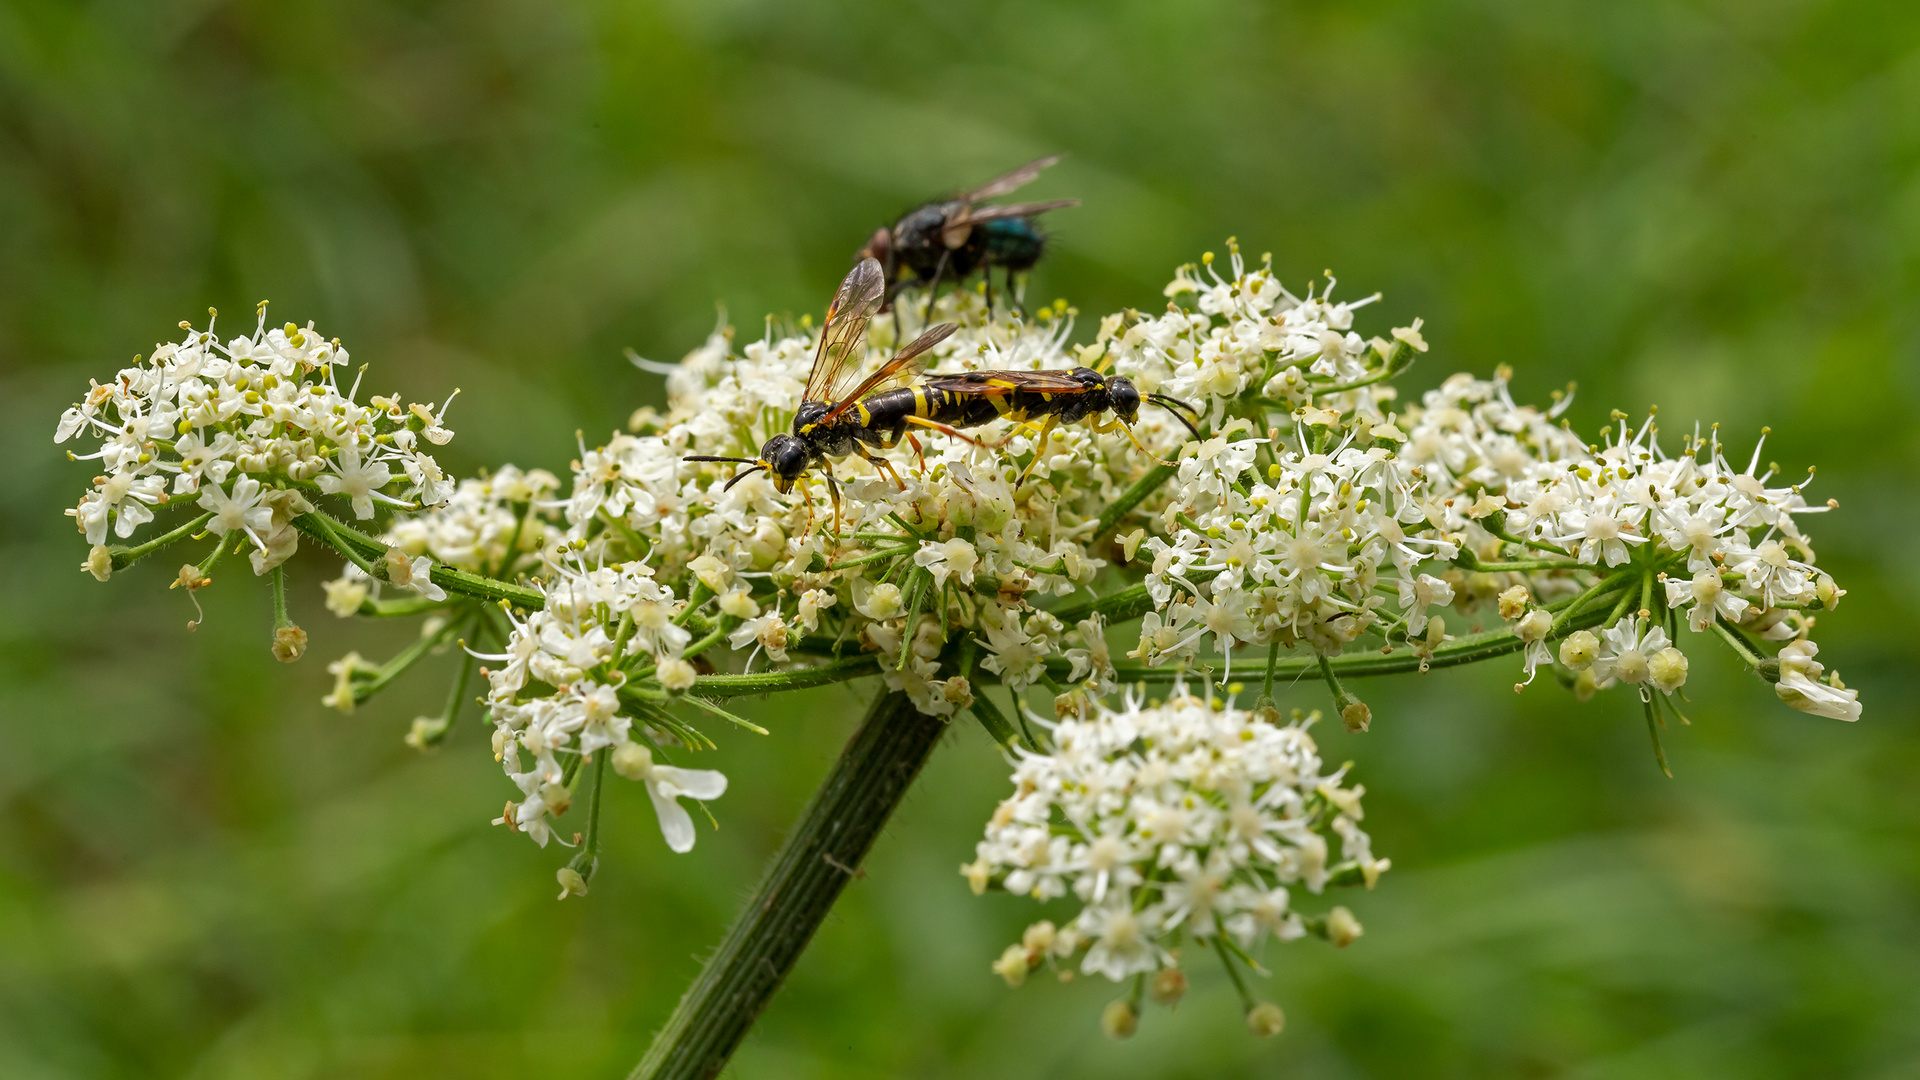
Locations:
(834, 420)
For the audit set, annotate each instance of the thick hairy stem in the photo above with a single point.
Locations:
(823, 852)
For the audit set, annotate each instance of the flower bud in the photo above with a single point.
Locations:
(1266, 1020)
(557, 797)
(571, 883)
(1513, 602)
(713, 573)
(1012, 965)
(632, 760)
(1824, 588)
(1119, 1020)
(1534, 626)
(1579, 650)
(1668, 669)
(737, 603)
(1585, 685)
(426, 732)
(1169, 985)
(289, 644)
(1354, 713)
(1039, 937)
(99, 562)
(979, 874)
(676, 674)
(398, 566)
(1342, 927)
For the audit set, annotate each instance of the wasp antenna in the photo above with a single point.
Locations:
(1184, 422)
(709, 457)
(1172, 403)
(742, 475)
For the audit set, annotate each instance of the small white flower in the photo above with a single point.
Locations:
(666, 786)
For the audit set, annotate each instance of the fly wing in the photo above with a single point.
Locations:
(932, 336)
(840, 339)
(974, 215)
(1012, 181)
(1001, 383)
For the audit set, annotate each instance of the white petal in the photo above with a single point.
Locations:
(702, 784)
(675, 823)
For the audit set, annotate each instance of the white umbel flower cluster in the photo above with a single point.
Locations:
(1192, 819)
(500, 525)
(250, 430)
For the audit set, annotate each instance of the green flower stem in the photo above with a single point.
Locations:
(1127, 604)
(1132, 497)
(820, 856)
(401, 661)
(124, 557)
(1736, 643)
(401, 608)
(1466, 561)
(1465, 650)
(281, 620)
(766, 682)
(361, 549)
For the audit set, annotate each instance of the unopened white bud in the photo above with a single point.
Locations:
(632, 760)
(676, 674)
(713, 573)
(1119, 1020)
(979, 873)
(1266, 1020)
(1668, 669)
(1012, 965)
(99, 562)
(1342, 927)
(1169, 985)
(737, 603)
(1579, 650)
(1534, 626)
(571, 883)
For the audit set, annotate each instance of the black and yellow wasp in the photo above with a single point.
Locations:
(832, 423)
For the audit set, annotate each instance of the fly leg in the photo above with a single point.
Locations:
(933, 290)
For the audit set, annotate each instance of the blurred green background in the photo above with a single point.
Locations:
(1713, 207)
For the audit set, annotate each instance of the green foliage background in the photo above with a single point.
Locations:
(1711, 206)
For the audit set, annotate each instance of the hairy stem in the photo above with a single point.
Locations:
(823, 852)
(124, 557)
(360, 548)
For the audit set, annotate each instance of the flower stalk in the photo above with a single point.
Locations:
(823, 852)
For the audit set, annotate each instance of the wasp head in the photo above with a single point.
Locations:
(786, 457)
(1124, 399)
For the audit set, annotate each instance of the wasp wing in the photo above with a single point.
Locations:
(1001, 383)
(1012, 181)
(847, 317)
(932, 336)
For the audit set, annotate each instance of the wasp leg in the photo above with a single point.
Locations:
(806, 496)
(1105, 426)
(833, 490)
(880, 464)
(1039, 449)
